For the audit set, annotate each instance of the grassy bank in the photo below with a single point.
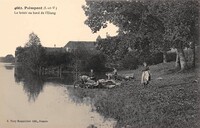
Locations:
(168, 102)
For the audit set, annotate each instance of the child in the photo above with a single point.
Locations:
(146, 77)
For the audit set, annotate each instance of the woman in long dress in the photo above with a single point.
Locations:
(146, 77)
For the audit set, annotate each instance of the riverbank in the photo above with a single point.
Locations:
(170, 100)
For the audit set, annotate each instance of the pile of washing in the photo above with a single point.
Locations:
(89, 82)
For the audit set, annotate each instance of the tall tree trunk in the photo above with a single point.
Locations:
(181, 55)
(164, 56)
(194, 54)
(177, 64)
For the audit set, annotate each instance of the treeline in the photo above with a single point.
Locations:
(8, 59)
(122, 56)
(132, 60)
(34, 57)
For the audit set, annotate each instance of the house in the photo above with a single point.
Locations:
(84, 45)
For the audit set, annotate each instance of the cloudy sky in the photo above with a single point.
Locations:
(67, 24)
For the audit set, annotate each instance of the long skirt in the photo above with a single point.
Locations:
(145, 77)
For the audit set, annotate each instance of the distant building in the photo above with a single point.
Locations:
(76, 45)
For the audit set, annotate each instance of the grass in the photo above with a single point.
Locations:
(170, 102)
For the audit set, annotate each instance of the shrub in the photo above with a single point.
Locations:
(56, 59)
(171, 56)
(156, 58)
(151, 59)
(130, 61)
(96, 62)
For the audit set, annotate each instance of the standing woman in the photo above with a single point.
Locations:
(146, 77)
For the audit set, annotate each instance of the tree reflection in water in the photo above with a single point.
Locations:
(32, 84)
(9, 66)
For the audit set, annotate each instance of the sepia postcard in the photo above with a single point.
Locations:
(99, 64)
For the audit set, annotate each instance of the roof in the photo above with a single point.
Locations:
(81, 44)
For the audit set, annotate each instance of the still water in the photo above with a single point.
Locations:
(28, 101)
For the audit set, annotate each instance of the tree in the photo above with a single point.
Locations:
(31, 54)
(180, 19)
(19, 54)
(148, 26)
(34, 40)
(34, 52)
(57, 59)
(138, 29)
(96, 62)
(113, 48)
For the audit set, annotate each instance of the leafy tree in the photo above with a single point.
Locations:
(130, 61)
(34, 51)
(34, 41)
(180, 19)
(31, 55)
(113, 47)
(137, 27)
(57, 59)
(96, 62)
(19, 54)
(148, 26)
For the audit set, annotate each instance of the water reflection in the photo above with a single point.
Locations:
(32, 84)
(67, 79)
(9, 66)
(52, 98)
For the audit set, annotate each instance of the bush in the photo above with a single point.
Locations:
(156, 58)
(171, 56)
(130, 61)
(152, 58)
(56, 59)
(96, 62)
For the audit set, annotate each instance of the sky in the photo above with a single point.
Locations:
(66, 25)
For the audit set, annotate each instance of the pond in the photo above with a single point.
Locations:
(28, 101)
